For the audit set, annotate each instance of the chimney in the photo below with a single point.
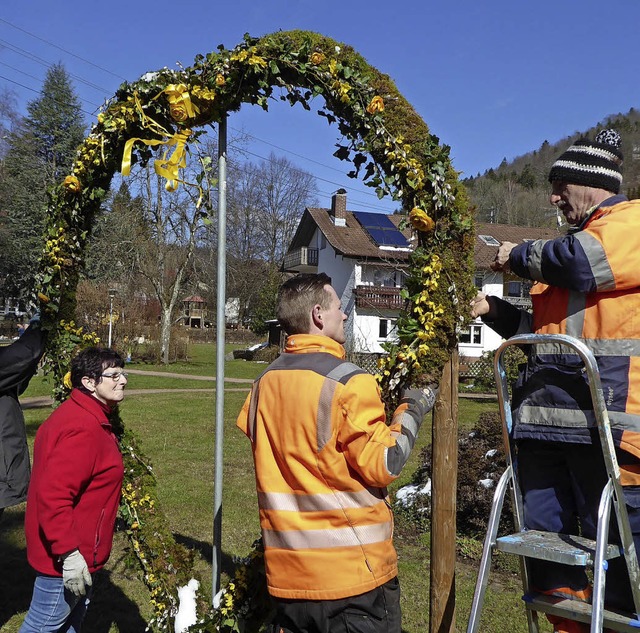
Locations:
(338, 209)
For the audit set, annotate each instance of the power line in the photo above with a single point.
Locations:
(37, 59)
(64, 50)
(17, 83)
(39, 80)
(331, 182)
(46, 64)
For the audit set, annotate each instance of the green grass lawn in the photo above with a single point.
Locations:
(177, 433)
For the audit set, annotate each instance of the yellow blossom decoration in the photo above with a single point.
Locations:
(180, 106)
(203, 93)
(420, 220)
(256, 60)
(220, 80)
(317, 58)
(376, 105)
(71, 183)
(67, 380)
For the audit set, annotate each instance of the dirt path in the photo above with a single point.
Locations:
(168, 374)
(35, 402)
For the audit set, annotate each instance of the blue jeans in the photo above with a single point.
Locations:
(54, 609)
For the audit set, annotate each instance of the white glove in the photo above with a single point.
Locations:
(75, 573)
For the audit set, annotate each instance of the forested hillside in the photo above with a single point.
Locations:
(518, 192)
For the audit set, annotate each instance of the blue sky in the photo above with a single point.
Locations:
(492, 79)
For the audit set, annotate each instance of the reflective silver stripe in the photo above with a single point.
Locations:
(575, 418)
(408, 422)
(599, 347)
(598, 261)
(543, 416)
(325, 539)
(535, 259)
(253, 410)
(323, 418)
(342, 370)
(575, 313)
(395, 457)
(324, 428)
(337, 500)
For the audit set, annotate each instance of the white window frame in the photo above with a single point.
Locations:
(473, 327)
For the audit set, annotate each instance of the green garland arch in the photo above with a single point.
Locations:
(388, 146)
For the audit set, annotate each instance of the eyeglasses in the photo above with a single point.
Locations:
(116, 375)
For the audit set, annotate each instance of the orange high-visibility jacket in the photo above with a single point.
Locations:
(323, 457)
(588, 286)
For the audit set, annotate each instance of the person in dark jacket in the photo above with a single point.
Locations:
(74, 493)
(587, 285)
(18, 364)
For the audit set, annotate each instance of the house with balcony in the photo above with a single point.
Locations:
(195, 312)
(366, 255)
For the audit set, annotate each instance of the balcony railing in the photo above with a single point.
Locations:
(302, 259)
(379, 297)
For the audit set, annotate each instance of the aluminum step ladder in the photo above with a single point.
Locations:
(562, 548)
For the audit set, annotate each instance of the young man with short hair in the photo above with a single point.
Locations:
(323, 457)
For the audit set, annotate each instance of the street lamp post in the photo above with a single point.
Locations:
(112, 294)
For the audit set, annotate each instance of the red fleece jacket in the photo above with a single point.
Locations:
(75, 486)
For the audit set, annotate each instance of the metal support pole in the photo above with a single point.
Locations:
(112, 294)
(220, 325)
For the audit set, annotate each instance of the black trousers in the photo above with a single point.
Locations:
(561, 485)
(377, 611)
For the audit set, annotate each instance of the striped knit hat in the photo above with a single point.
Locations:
(591, 163)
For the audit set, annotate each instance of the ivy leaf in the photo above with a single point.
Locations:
(369, 170)
(342, 152)
(358, 159)
(273, 67)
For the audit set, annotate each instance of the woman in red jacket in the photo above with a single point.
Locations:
(74, 493)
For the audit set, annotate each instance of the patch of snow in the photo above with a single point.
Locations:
(486, 483)
(492, 453)
(186, 615)
(217, 599)
(407, 495)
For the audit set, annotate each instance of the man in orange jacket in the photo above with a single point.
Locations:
(587, 286)
(323, 457)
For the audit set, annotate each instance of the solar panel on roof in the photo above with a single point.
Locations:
(373, 219)
(381, 229)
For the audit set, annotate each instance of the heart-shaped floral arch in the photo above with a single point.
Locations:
(389, 147)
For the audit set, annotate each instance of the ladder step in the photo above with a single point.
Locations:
(581, 612)
(551, 546)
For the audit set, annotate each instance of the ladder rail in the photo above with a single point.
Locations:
(599, 562)
(604, 431)
(489, 542)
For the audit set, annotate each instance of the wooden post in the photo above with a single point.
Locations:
(442, 595)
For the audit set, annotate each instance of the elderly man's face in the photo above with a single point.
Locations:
(575, 200)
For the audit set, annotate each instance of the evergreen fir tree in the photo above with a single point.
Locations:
(41, 152)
